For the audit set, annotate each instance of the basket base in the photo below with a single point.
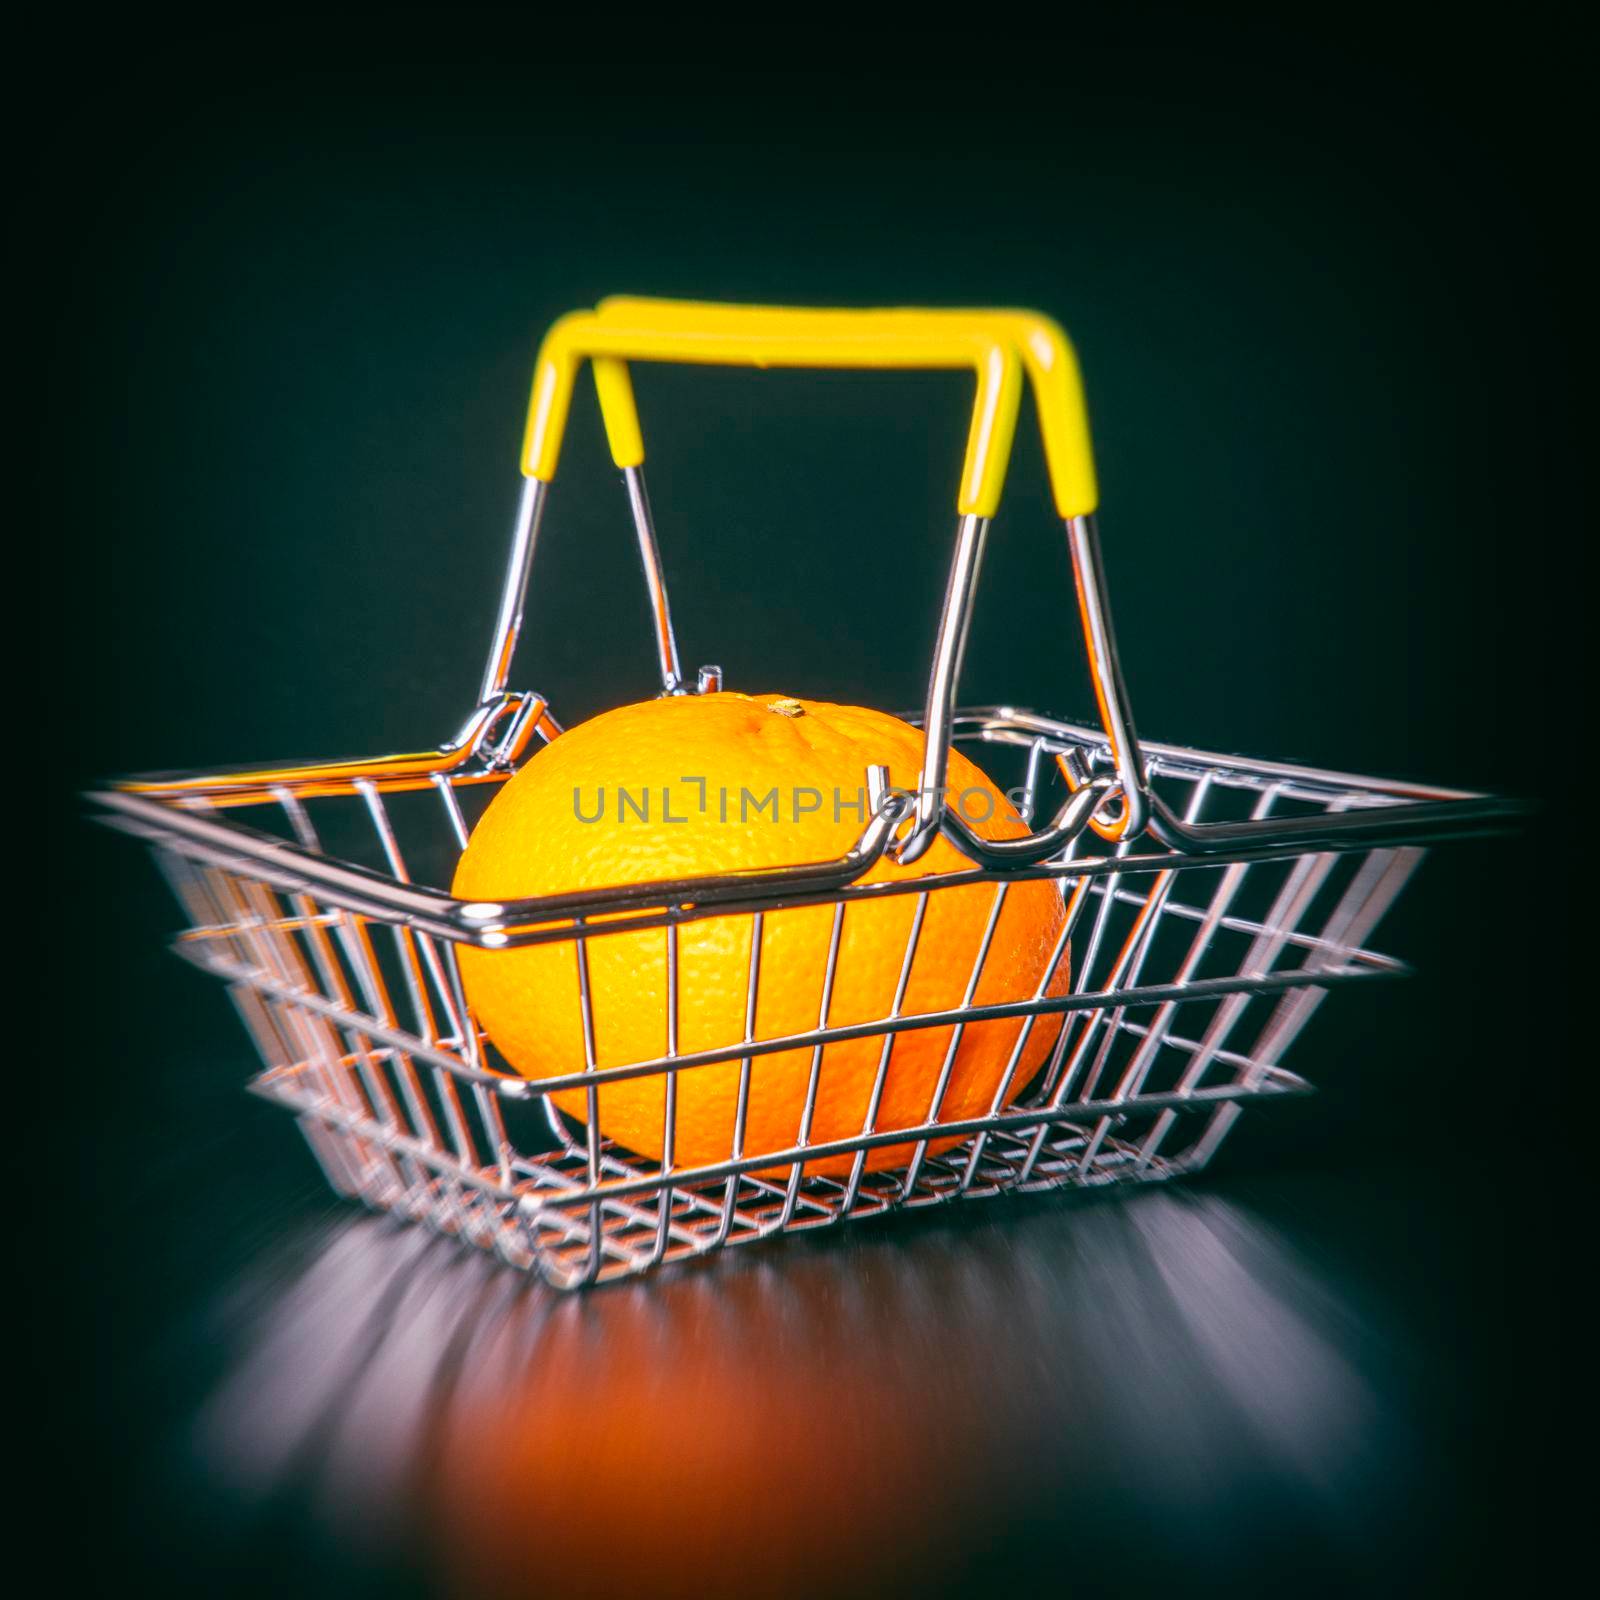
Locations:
(538, 1214)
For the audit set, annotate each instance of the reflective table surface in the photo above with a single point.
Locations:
(1184, 1386)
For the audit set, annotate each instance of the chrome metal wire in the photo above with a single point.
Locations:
(1191, 976)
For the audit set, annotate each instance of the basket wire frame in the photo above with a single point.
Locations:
(1190, 979)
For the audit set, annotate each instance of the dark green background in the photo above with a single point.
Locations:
(288, 281)
(293, 307)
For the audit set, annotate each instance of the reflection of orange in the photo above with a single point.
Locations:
(743, 1431)
(708, 771)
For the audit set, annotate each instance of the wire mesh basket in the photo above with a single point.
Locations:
(1211, 902)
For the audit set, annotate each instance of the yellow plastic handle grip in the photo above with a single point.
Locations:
(997, 345)
(1046, 352)
(759, 336)
(1052, 368)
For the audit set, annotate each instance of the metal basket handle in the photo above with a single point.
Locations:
(998, 346)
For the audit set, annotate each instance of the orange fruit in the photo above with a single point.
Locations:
(658, 780)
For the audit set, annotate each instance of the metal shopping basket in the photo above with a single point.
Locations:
(1211, 901)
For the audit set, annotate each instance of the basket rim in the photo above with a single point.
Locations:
(188, 812)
